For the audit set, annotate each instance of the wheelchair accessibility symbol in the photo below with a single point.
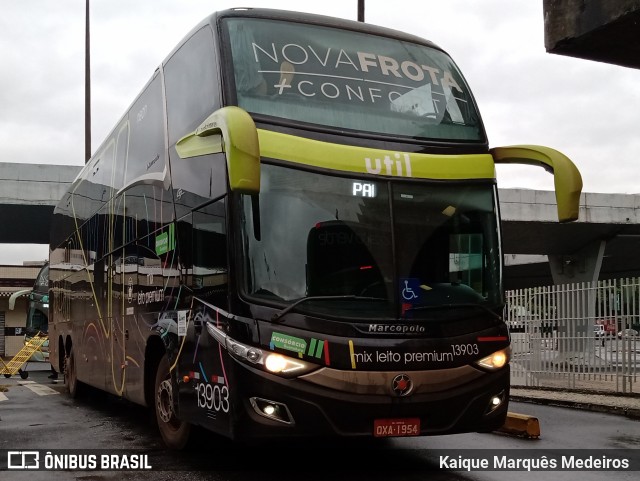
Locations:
(410, 290)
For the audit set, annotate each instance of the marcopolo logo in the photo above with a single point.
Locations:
(397, 328)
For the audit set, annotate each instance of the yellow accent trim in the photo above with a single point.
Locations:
(352, 354)
(364, 160)
(566, 177)
(233, 131)
(191, 145)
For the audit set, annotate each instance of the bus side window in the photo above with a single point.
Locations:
(208, 262)
(122, 147)
(146, 153)
(193, 93)
(191, 84)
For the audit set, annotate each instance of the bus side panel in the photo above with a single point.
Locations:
(206, 399)
(147, 286)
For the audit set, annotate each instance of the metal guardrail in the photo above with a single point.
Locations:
(555, 342)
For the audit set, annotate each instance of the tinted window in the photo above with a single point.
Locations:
(122, 147)
(402, 248)
(191, 85)
(350, 80)
(146, 144)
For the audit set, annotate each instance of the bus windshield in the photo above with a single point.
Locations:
(401, 249)
(343, 79)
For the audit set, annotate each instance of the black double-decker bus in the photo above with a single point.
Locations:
(293, 230)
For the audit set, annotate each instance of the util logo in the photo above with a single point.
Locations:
(400, 165)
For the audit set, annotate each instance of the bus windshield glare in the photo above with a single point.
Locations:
(401, 248)
(347, 80)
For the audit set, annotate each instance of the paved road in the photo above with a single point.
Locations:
(39, 415)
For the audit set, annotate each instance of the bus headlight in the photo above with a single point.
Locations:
(275, 363)
(279, 364)
(497, 360)
(272, 362)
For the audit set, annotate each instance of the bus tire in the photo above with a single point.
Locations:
(7, 376)
(71, 375)
(23, 374)
(175, 433)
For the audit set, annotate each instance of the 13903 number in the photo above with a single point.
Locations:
(464, 349)
(213, 396)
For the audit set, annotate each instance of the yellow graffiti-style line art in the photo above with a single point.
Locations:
(111, 323)
(85, 267)
(129, 358)
(175, 363)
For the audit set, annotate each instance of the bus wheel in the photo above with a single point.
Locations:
(70, 374)
(7, 376)
(23, 374)
(175, 433)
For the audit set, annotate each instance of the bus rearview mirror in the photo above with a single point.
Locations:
(567, 178)
(230, 130)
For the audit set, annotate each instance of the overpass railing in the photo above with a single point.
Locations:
(582, 336)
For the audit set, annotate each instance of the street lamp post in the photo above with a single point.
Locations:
(87, 88)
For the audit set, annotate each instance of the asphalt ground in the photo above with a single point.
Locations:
(624, 404)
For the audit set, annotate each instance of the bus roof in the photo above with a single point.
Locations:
(291, 16)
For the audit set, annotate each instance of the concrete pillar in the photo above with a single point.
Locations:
(581, 266)
(578, 319)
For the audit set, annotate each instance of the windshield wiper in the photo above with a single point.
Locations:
(453, 306)
(277, 315)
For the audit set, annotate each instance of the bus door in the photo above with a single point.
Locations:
(154, 300)
(205, 399)
(124, 284)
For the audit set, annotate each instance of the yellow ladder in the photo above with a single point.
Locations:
(15, 364)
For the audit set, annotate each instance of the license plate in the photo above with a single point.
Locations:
(396, 427)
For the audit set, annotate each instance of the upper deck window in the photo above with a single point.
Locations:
(350, 80)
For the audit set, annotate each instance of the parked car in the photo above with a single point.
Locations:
(628, 333)
(599, 331)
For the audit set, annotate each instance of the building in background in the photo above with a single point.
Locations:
(13, 318)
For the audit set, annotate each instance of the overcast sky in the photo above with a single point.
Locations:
(588, 110)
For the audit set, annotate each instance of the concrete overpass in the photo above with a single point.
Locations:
(598, 30)
(602, 243)
(28, 194)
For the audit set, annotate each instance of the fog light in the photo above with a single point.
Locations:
(495, 402)
(272, 410)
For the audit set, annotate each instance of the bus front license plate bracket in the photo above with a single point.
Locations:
(396, 427)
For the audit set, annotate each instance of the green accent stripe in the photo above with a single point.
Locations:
(319, 349)
(312, 346)
(350, 158)
(172, 237)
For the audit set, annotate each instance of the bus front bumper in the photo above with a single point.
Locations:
(269, 406)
